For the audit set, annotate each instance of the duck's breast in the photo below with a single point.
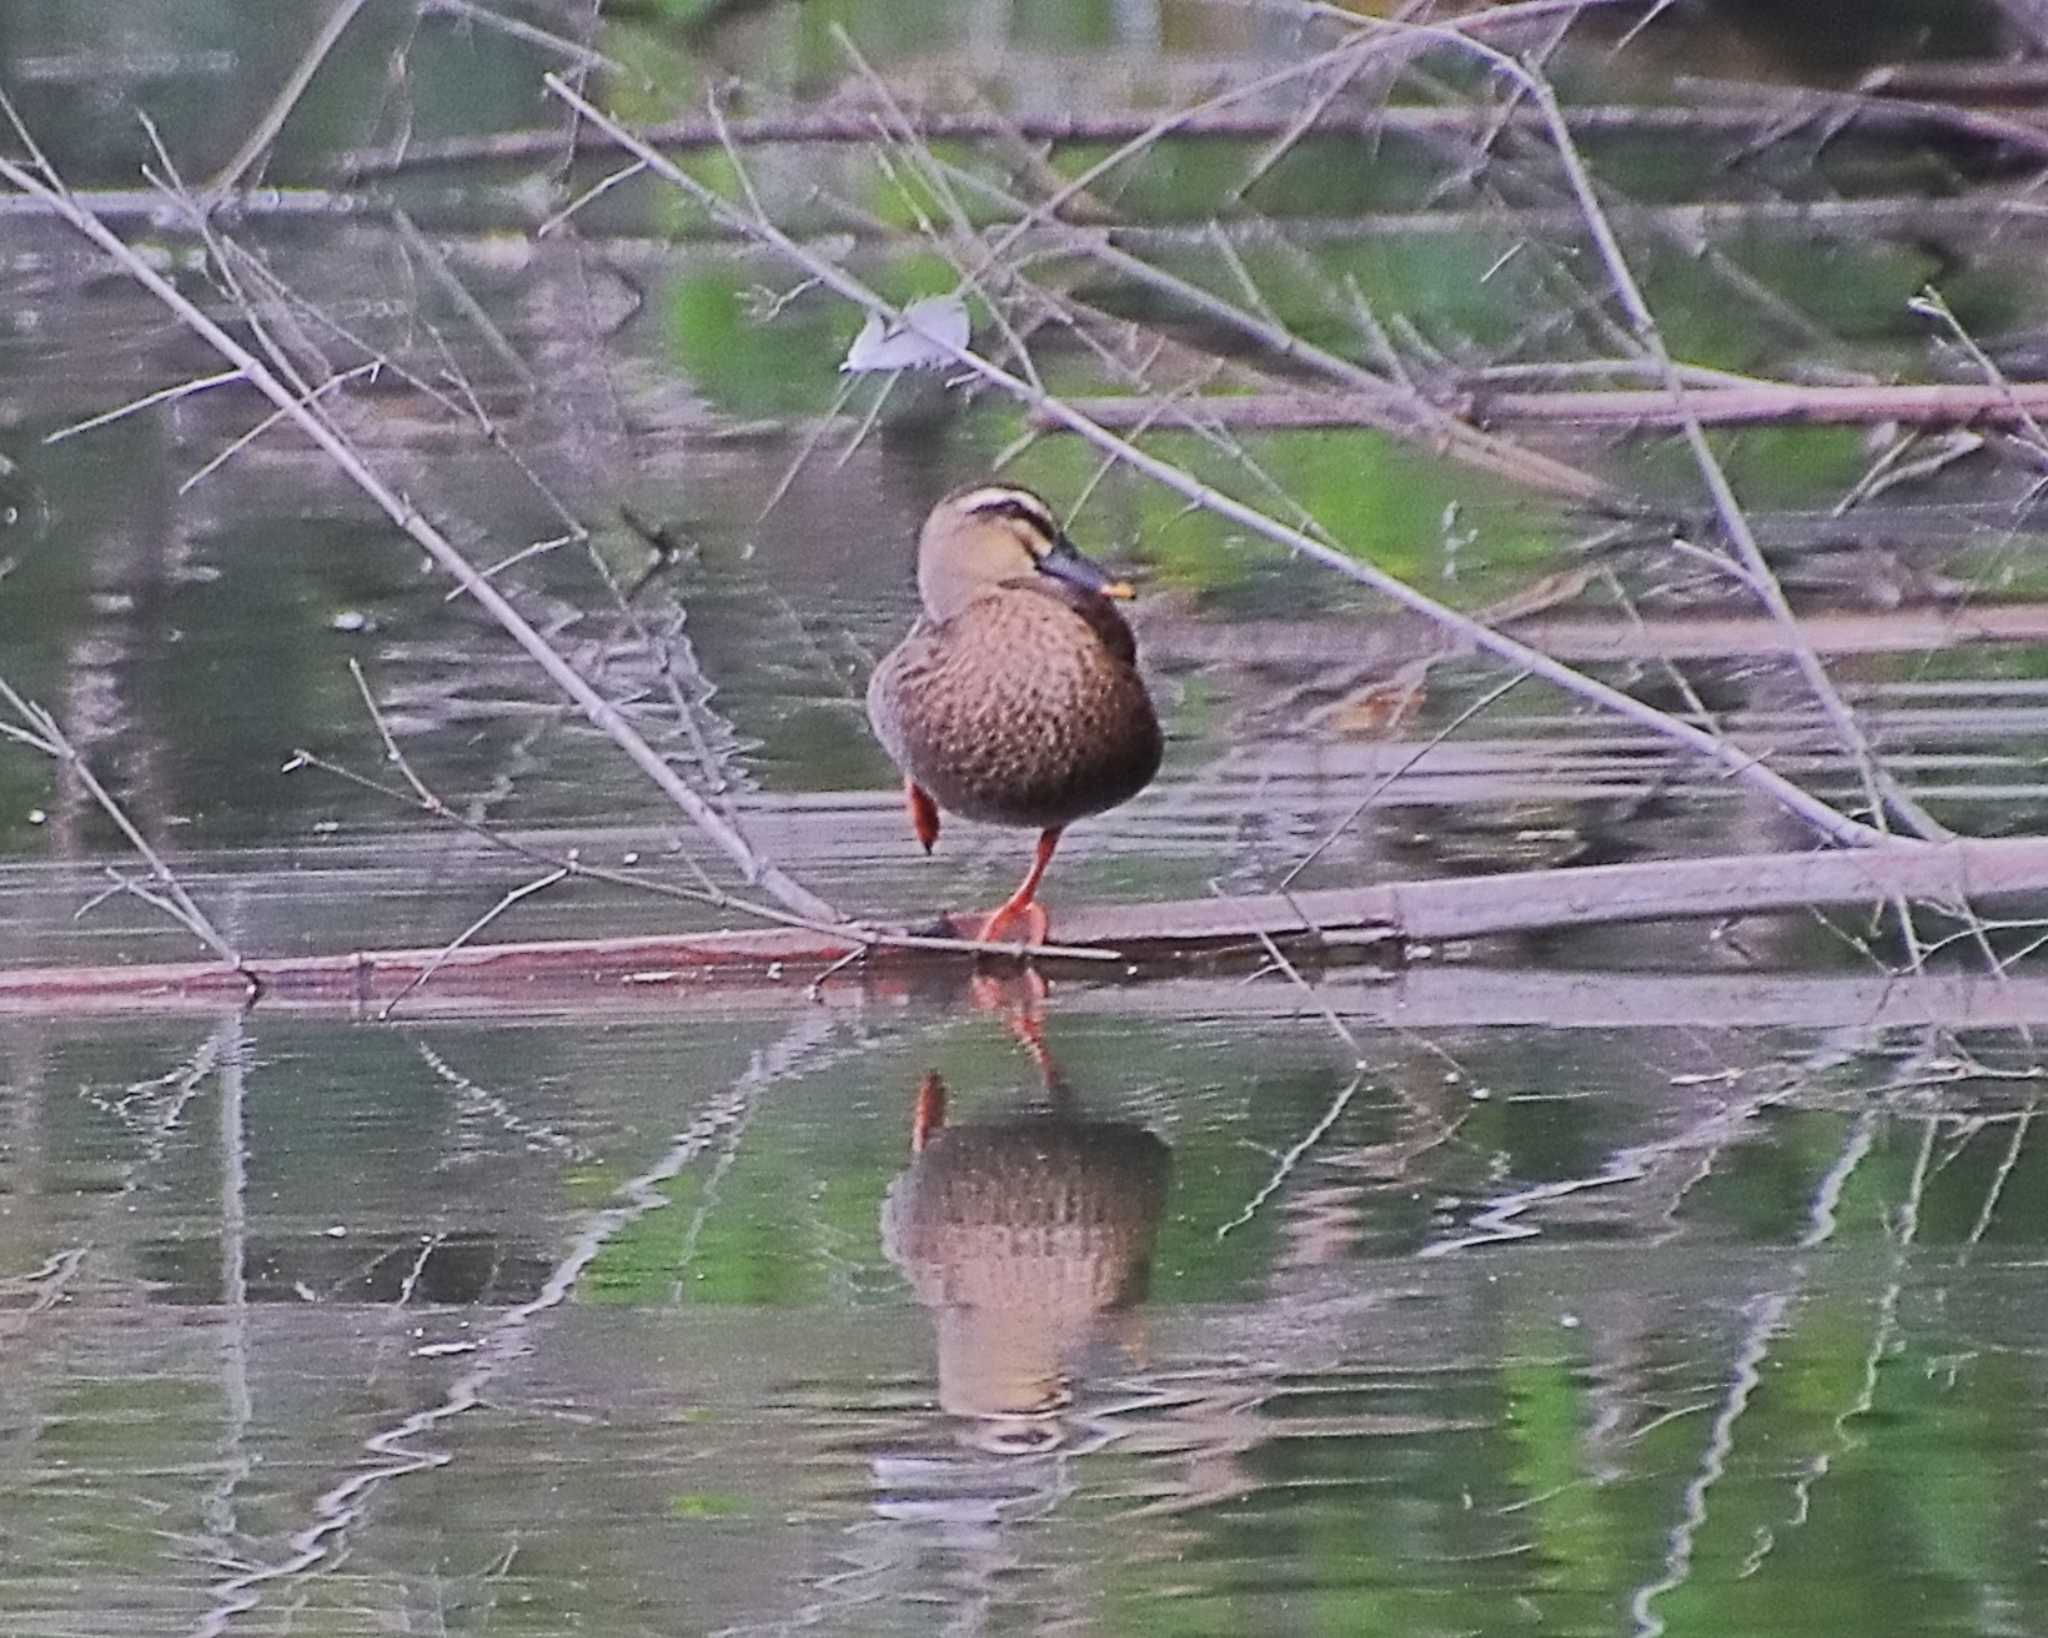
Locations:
(1019, 709)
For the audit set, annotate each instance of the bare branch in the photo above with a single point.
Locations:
(1836, 826)
(401, 511)
(1881, 788)
(581, 55)
(42, 731)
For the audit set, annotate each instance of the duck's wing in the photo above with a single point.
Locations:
(1017, 711)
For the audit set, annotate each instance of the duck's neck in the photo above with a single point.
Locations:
(944, 589)
(1103, 616)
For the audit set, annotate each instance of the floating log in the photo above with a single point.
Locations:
(1873, 116)
(1171, 637)
(1767, 403)
(1145, 938)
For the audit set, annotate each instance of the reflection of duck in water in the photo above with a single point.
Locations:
(1029, 1238)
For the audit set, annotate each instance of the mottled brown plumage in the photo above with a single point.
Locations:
(1030, 1238)
(1016, 698)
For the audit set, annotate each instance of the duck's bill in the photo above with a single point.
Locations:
(1065, 562)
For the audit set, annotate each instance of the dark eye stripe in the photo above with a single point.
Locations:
(1020, 510)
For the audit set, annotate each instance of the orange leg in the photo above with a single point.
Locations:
(1023, 903)
(928, 1116)
(1019, 1000)
(924, 813)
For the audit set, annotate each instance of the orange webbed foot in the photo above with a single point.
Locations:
(1023, 904)
(1015, 924)
(924, 813)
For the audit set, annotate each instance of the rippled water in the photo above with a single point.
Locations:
(658, 1322)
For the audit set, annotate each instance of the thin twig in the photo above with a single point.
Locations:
(526, 890)
(163, 395)
(1478, 707)
(458, 292)
(234, 446)
(1297, 128)
(710, 896)
(1932, 304)
(581, 55)
(42, 732)
(539, 548)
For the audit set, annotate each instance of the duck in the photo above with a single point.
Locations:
(1016, 698)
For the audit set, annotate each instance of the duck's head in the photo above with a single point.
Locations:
(980, 537)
